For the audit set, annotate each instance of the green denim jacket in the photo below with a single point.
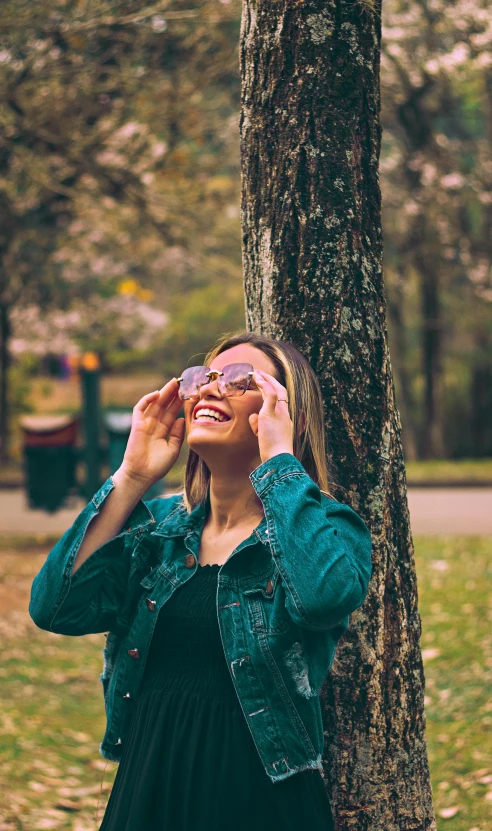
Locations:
(284, 597)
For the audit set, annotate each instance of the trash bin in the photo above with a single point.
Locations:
(50, 459)
(118, 424)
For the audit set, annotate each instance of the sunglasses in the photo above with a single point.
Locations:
(233, 379)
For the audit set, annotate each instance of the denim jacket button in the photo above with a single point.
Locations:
(190, 560)
(269, 587)
(134, 653)
(150, 604)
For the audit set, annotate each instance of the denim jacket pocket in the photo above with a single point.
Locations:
(265, 598)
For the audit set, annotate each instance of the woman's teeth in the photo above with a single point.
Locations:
(208, 415)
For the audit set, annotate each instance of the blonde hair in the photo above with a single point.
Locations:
(295, 373)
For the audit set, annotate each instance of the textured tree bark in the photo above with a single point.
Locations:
(312, 251)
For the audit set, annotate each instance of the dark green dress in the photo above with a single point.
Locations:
(189, 762)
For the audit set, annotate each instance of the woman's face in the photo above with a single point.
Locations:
(233, 439)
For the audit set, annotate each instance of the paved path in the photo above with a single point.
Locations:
(450, 510)
(432, 511)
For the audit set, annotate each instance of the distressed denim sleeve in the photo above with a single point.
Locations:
(322, 547)
(88, 599)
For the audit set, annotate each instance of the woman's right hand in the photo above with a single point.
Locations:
(156, 436)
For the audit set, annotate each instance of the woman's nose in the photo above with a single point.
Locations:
(211, 386)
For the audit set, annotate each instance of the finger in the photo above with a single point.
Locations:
(176, 433)
(269, 394)
(282, 392)
(144, 402)
(167, 396)
(167, 415)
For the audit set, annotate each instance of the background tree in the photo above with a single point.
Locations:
(107, 119)
(141, 182)
(436, 179)
(312, 256)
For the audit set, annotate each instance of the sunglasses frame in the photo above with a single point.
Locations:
(217, 373)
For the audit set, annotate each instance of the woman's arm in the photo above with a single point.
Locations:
(322, 547)
(88, 599)
(83, 582)
(113, 514)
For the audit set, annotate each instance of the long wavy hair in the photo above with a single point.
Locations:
(295, 373)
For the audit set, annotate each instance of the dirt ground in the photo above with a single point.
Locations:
(17, 571)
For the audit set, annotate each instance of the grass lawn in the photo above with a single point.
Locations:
(52, 717)
(449, 471)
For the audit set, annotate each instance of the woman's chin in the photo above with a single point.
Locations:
(200, 435)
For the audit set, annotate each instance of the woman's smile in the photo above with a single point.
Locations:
(209, 414)
(209, 420)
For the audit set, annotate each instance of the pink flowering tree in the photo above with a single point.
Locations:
(106, 120)
(437, 195)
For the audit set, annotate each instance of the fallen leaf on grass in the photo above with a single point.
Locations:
(68, 805)
(77, 735)
(98, 764)
(439, 565)
(448, 813)
(37, 786)
(429, 654)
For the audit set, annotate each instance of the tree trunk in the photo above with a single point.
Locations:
(5, 333)
(395, 300)
(432, 434)
(481, 397)
(312, 250)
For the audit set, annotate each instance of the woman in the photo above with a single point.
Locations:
(224, 604)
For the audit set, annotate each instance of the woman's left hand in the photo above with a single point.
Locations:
(272, 424)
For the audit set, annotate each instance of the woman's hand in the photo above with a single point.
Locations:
(156, 436)
(272, 424)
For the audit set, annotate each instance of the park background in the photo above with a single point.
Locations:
(120, 237)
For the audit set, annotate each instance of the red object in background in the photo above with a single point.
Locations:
(49, 430)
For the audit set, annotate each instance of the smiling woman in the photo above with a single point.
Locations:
(223, 604)
(291, 377)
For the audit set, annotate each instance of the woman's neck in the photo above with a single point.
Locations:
(233, 503)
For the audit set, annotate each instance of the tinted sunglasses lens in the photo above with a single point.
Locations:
(235, 379)
(193, 378)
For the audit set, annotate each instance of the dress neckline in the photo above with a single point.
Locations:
(209, 565)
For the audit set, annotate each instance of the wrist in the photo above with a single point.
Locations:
(277, 452)
(138, 485)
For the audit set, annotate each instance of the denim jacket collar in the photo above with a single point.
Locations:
(180, 523)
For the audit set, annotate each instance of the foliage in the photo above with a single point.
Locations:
(118, 163)
(437, 188)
